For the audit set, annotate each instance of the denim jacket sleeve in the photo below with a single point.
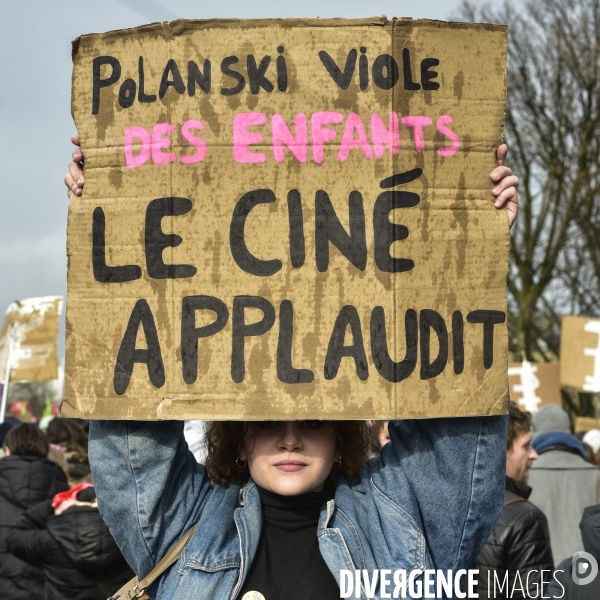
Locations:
(449, 474)
(150, 488)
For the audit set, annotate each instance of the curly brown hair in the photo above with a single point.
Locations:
(224, 440)
(375, 428)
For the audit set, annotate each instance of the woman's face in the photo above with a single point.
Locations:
(290, 457)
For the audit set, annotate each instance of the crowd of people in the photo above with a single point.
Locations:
(551, 512)
(54, 544)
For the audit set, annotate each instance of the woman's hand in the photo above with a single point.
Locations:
(506, 191)
(74, 178)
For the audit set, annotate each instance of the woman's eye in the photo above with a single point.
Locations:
(266, 424)
(312, 424)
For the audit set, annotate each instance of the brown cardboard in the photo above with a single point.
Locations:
(586, 423)
(35, 354)
(580, 354)
(533, 385)
(456, 239)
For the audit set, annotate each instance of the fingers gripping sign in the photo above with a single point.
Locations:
(74, 178)
(506, 190)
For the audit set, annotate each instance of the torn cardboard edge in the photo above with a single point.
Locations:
(179, 27)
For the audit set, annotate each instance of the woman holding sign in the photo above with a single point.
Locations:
(290, 510)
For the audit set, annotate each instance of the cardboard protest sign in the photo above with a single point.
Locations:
(35, 352)
(533, 385)
(288, 219)
(580, 354)
(586, 423)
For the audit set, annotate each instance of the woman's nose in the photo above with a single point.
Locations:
(290, 439)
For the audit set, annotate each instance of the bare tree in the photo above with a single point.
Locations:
(553, 131)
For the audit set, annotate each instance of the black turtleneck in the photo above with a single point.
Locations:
(288, 564)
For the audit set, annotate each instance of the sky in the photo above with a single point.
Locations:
(35, 117)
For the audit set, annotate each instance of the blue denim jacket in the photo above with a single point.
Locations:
(429, 501)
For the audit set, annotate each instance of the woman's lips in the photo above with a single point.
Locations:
(290, 466)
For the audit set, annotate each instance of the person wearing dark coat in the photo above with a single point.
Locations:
(27, 478)
(563, 585)
(5, 427)
(563, 482)
(68, 539)
(516, 561)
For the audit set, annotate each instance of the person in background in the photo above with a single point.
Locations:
(589, 453)
(68, 539)
(5, 427)
(563, 482)
(83, 423)
(379, 436)
(562, 585)
(520, 541)
(27, 477)
(21, 410)
(57, 454)
(72, 438)
(592, 440)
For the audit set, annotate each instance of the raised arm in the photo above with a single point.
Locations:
(150, 488)
(448, 474)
